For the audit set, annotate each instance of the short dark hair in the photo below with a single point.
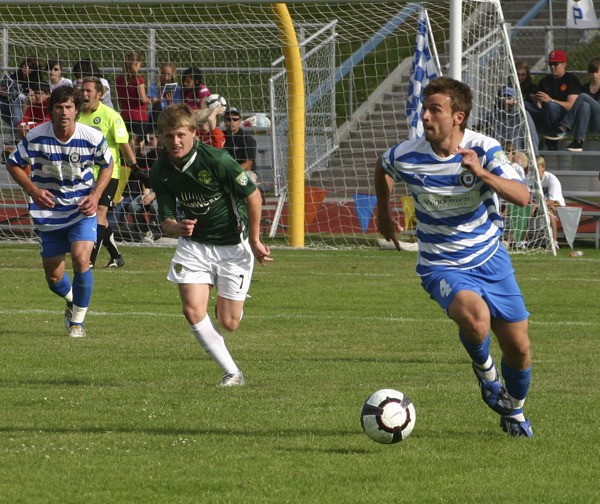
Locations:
(594, 65)
(63, 94)
(96, 81)
(195, 73)
(461, 96)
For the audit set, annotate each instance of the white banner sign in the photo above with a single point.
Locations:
(581, 14)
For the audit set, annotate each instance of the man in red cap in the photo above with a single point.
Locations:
(556, 95)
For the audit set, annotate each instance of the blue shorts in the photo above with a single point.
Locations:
(55, 243)
(503, 296)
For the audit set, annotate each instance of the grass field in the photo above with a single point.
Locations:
(132, 413)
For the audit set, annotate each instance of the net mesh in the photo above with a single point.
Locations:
(356, 62)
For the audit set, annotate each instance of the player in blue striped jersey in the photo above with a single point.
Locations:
(456, 177)
(63, 200)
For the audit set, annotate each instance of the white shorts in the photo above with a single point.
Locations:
(228, 267)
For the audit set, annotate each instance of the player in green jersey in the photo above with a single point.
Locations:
(218, 235)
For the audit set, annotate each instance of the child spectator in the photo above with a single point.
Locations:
(208, 132)
(194, 90)
(159, 95)
(37, 112)
(131, 92)
(55, 77)
(552, 193)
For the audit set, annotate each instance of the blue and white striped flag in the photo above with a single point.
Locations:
(422, 71)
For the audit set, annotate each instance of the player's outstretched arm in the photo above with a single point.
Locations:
(386, 224)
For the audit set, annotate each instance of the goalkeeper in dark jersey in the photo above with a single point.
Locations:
(218, 235)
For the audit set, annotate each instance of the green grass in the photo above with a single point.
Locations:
(132, 413)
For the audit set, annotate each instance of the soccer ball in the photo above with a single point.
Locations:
(388, 416)
(214, 101)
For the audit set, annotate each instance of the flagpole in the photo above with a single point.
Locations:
(435, 54)
(455, 70)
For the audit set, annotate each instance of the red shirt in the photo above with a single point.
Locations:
(195, 96)
(216, 138)
(129, 98)
(37, 113)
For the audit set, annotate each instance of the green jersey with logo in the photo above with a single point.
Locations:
(211, 187)
(113, 128)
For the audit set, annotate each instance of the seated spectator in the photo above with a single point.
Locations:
(584, 115)
(505, 123)
(556, 95)
(208, 131)
(528, 88)
(240, 144)
(37, 112)
(87, 68)
(160, 97)
(194, 90)
(14, 92)
(143, 207)
(131, 92)
(55, 77)
(552, 193)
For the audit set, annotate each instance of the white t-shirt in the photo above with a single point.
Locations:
(552, 188)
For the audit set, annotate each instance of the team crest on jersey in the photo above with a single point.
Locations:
(97, 120)
(467, 179)
(178, 268)
(205, 177)
(74, 157)
(501, 156)
(242, 179)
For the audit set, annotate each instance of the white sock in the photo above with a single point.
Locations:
(214, 345)
(488, 370)
(78, 314)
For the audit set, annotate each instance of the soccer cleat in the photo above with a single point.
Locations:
(76, 331)
(68, 315)
(515, 428)
(557, 135)
(233, 380)
(118, 262)
(575, 146)
(494, 394)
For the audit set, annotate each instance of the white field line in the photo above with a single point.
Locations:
(285, 316)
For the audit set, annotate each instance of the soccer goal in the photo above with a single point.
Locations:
(356, 64)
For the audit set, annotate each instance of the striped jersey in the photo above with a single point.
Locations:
(64, 169)
(459, 224)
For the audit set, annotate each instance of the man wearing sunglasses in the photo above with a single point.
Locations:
(556, 95)
(240, 144)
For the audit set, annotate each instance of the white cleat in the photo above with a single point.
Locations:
(76, 331)
(68, 315)
(233, 380)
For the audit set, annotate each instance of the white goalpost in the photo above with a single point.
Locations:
(356, 59)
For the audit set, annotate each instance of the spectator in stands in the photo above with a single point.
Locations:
(14, 92)
(160, 93)
(552, 191)
(208, 131)
(143, 207)
(55, 77)
(528, 88)
(37, 112)
(131, 92)
(557, 94)
(505, 123)
(239, 143)
(87, 68)
(195, 91)
(584, 115)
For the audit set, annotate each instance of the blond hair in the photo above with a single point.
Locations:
(202, 116)
(178, 115)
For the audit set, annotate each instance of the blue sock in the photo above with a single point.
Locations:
(82, 288)
(478, 352)
(516, 381)
(62, 287)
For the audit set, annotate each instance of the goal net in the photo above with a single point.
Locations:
(356, 61)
